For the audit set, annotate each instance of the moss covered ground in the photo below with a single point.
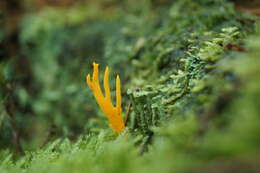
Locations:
(190, 84)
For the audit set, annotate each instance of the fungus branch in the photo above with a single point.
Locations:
(113, 113)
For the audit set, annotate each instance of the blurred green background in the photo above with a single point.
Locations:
(175, 59)
(46, 49)
(189, 76)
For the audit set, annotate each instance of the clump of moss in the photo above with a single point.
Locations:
(193, 94)
(175, 72)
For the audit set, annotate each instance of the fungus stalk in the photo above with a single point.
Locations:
(113, 113)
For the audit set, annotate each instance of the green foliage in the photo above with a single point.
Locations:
(58, 47)
(176, 70)
(190, 78)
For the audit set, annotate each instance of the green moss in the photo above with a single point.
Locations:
(189, 78)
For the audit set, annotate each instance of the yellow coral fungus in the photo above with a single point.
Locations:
(114, 114)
